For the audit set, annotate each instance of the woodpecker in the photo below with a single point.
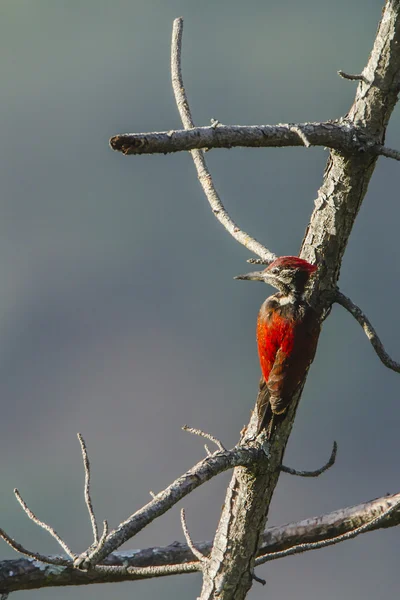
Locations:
(287, 335)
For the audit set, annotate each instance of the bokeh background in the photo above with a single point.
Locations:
(119, 315)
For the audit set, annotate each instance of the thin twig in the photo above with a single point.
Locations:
(52, 560)
(88, 498)
(302, 135)
(208, 436)
(207, 449)
(258, 579)
(257, 261)
(103, 537)
(329, 542)
(368, 329)
(203, 172)
(189, 540)
(388, 152)
(358, 77)
(316, 473)
(43, 525)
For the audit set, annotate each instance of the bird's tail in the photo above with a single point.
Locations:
(266, 418)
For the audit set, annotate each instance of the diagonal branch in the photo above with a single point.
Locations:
(203, 172)
(209, 467)
(368, 329)
(316, 473)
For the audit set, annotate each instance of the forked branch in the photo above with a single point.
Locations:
(108, 542)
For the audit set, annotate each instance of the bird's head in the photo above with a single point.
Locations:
(289, 274)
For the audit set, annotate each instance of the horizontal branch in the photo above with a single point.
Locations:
(26, 574)
(370, 332)
(330, 134)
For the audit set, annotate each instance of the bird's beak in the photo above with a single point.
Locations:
(255, 276)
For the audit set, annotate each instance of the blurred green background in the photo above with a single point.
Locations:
(119, 315)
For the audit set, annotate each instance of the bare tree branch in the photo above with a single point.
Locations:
(206, 469)
(368, 329)
(338, 135)
(203, 172)
(330, 542)
(330, 134)
(88, 499)
(316, 473)
(22, 573)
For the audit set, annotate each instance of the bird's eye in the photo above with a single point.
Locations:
(275, 270)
